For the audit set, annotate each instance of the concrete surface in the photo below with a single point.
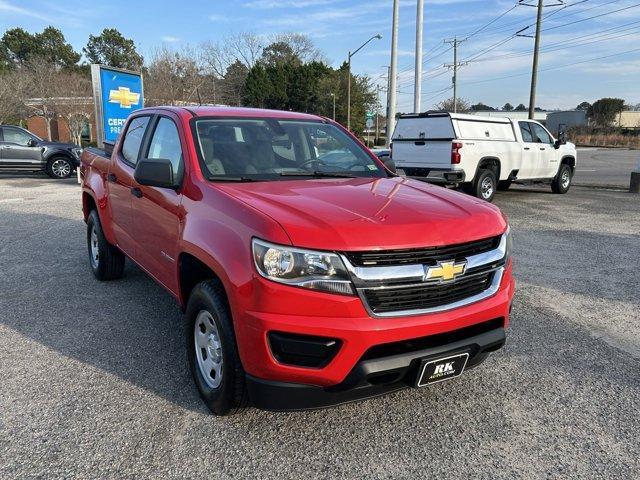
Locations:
(94, 383)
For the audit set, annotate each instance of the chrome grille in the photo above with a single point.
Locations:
(424, 256)
(398, 288)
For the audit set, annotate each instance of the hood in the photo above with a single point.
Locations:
(369, 214)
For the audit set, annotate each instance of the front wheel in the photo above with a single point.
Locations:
(562, 181)
(212, 352)
(59, 167)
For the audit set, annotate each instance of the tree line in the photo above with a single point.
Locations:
(41, 74)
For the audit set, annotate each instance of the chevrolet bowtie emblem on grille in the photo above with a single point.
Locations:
(124, 97)
(445, 271)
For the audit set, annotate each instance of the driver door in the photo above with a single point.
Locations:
(16, 150)
(548, 157)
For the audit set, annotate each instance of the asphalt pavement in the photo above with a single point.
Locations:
(606, 166)
(94, 381)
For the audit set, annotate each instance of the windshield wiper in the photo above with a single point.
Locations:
(317, 174)
(225, 178)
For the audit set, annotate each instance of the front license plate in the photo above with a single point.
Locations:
(441, 369)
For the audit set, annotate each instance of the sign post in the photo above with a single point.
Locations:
(369, 125)
(116, 94)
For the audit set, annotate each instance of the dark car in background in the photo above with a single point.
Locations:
(21, 150)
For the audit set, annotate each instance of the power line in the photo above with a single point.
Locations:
(591, 18)
(556, 67)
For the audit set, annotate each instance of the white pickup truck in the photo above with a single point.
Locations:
(483, 154)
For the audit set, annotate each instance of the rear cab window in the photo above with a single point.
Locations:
(133, 137)
(525, 131)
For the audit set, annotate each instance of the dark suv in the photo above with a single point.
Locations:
(22, 150)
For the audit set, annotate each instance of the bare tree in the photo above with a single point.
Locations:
(173, 78)
(218, 57)
(43, 87)
(12, 92)
(447, 105)
(301, 46)
(75, 107)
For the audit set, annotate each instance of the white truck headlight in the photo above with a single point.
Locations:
(299, 267)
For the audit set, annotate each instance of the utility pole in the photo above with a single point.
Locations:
(417, 87)
(455, 42)
(333, 95)
(393, 84)
(377, 115)
(534, 70)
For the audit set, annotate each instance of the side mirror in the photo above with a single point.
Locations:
(32, 142)
(389, 163)
(156, 172)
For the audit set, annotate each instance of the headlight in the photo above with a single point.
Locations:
(302, 268)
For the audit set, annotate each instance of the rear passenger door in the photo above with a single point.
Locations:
(157, 211)
(120, 183)
(530, 152)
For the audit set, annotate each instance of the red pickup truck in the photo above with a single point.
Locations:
(309, 273)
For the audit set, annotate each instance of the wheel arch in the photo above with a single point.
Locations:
(490, 162)
(191, 271)
(569, 160)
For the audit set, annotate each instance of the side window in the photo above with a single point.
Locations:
(527, 137)
(165, 144)
(541, 133)
(13, 135)
(133, 139)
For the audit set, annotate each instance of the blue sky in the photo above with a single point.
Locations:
(339, 25)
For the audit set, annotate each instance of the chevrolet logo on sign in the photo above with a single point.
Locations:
(124, 97)
(445, 271)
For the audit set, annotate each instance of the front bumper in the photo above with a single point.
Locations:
(295, 311)
(372, 377)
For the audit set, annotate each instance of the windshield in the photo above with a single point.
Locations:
(270, 149)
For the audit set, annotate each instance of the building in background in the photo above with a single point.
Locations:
(65, 115)
(569, 118)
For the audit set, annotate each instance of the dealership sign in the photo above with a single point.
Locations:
(116, 93)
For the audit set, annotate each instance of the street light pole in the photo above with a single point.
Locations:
(351, 54)
(393, 85)
(417, 87)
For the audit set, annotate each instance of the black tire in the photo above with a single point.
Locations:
(484, 186)
(109, 264)
(504, 185)
(562, 181)
(59, 167)
(207, 303)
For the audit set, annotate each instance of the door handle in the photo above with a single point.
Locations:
(542, 148)
(527, 148)
(136, 192)
(112, 177)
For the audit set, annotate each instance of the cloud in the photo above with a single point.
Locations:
(170, 39)
(273, 4)
(10, 8)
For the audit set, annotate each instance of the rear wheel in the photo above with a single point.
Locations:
(59, 167)
(105, 260)
(484, 185)
(212, 352)
(562, 181)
